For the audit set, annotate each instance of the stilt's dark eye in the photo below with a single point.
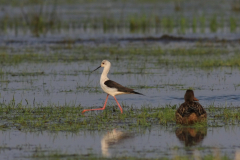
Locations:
(102, 63)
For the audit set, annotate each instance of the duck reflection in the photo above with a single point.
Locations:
(190, 136)
(112, 138)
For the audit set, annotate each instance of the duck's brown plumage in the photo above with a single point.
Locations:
(190, 112)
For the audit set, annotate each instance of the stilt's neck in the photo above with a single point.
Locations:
(105, 71)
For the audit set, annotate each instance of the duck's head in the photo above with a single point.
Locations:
(103, 64)
(189, 96)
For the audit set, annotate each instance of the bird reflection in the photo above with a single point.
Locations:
(111, 138)
(237, 155)
(190, 136)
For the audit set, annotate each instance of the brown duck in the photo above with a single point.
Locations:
(190, 111)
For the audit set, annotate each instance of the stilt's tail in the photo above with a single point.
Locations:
(133, 92)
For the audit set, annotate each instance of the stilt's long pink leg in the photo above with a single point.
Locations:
(97, 108)
(118, 104)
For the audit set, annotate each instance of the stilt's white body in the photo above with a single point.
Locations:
(110, 87)
(111, 91)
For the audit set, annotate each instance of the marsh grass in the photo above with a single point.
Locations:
(139, 23)
(38, 19)
(230, 62)
(194, 25)
(36, 57)
(233, 24)
(213, 24)
(43, 20)
(69, 118)
(57, 155)
(202, 20)
(197, 57)
(167, 24)
(183, 25)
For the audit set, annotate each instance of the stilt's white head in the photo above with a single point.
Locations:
(104, 63)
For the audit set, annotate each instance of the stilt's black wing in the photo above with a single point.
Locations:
(119, 87)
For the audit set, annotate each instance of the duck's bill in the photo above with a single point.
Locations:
(96, 69)
(195, 99)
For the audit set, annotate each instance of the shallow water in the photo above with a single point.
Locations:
(151, 142)
(65, 84)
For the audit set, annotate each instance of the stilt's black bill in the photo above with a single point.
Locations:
(96, 69)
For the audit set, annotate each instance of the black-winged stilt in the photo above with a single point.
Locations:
(110, 87)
